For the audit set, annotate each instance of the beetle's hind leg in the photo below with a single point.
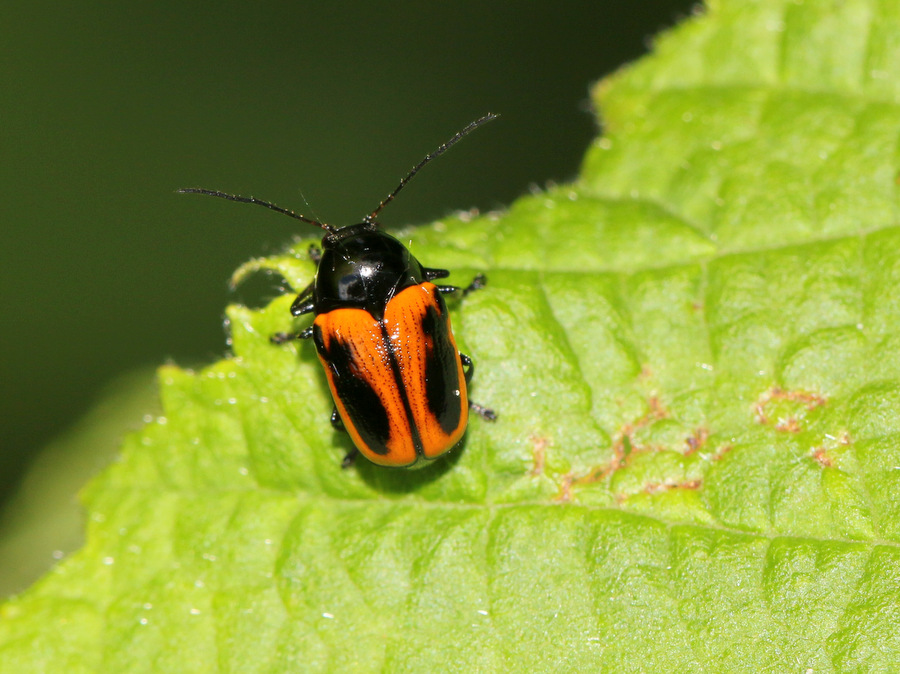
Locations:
(338, 424)
(482, 411)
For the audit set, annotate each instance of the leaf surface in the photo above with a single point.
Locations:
(694, 354)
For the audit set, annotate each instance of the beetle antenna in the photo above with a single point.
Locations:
(434, 155)
(253, 200)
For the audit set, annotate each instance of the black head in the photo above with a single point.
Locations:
(363, 267)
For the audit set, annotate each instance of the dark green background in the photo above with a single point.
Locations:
(108, 107)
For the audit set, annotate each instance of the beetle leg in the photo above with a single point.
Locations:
(282, 337)
(350, 458)
(336, 421)
(480, 410)
(483, 412)
(467, 363)
(315, 253)
(431, 274)
(302, 306)
(304, 302)
(477, 283)
(338, 424)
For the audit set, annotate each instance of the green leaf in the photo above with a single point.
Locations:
(44, 519)
(695, 353)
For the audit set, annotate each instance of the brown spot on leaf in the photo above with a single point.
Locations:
(789, 424)
(666, 485)
(820, 456)
(565, 489)
(539, 453)
(623, 446)
(722, 451)
(697, 440)
(570, 480)
(824, 453)
(624, 442)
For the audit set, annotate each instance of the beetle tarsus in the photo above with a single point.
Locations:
(336, 422)
(469, 365)
(283, 337)
(482, 411)
(477, 283)
(304, 302)
(350, 458)
(431, 274)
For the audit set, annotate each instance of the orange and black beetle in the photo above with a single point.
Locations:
(383, 335)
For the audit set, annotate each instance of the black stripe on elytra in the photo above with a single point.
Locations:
(401, 389)
(441, 371)
(363, 406)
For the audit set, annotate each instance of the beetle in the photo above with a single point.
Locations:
(383, 336)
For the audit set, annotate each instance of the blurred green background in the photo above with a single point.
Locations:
(108, 107)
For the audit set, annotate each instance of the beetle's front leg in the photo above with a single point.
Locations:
(303, 304)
